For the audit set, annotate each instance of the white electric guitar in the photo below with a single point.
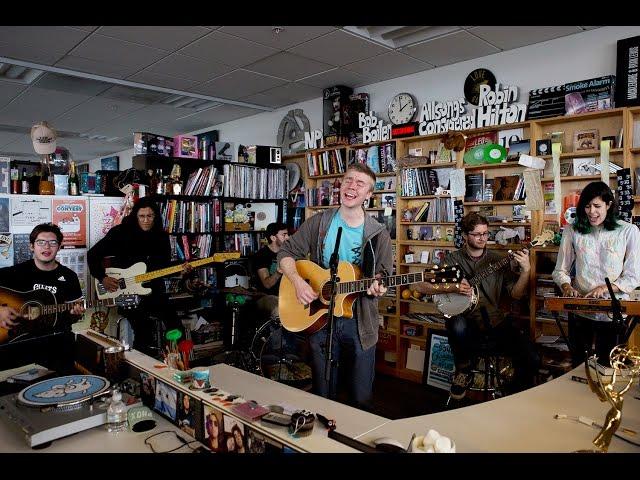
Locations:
(130, 279)
(450, 304)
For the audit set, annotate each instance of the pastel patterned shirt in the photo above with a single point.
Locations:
(599, 254)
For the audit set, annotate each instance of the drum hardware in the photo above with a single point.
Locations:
(235, 357)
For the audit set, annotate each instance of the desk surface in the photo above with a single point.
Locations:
(350, 421)
(522, 422)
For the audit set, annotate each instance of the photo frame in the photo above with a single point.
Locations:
(439, 366)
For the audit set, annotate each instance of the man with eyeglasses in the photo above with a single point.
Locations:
(465, 332)
(139, 238)
(364, 242)
(43, 272)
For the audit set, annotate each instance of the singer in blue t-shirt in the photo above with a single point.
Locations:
(362, 241)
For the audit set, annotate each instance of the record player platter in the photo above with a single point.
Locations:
(56, 407)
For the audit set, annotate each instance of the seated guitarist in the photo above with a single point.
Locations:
(466, 331)
(139, 238)
(43, 272)
(364, 242)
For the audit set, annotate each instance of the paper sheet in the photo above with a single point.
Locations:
(605, 168)
(456, 182)
(534, 199)
(556, 148)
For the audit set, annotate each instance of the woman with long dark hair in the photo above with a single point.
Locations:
(597, 246)
(139, 238)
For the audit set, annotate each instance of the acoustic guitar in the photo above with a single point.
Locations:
(296, 317)
(450, 304)
(38, 310)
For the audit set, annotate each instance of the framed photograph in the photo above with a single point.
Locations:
(439, 367)
(566, 169)
(166, 400)
(543, 147)
(586, 140)
(110, 163)
(584, 166)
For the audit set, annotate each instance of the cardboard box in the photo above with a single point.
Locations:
(186, 146)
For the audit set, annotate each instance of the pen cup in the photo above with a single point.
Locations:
(200, 378)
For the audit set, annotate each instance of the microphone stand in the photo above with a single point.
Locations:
(616, 310)
(333, 269)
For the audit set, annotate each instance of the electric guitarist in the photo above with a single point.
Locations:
(139, 238)
(363, 242)
(466, 331)
(43, 272)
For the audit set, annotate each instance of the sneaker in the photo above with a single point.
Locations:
(461, 382)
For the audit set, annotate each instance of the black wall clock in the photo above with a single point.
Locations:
(480, 76)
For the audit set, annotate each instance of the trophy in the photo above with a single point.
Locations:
(625, 362)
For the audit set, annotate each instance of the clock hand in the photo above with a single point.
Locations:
(402, 107)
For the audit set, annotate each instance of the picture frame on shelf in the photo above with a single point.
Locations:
(566, 169)
(584, 166)
(586, 140)
(439, 366)
(543, 147)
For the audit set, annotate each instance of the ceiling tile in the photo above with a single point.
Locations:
(238, 83)
(339, 48)
(508, 37)
(92, 113)
(453, 48)
(222, 114)
(395, 65)
(191, 68)
(84, 27)
(287, 38)
(134, 94)
(96, 67)
(227, 49)
(118, 52)
(46, 38)
(141, 120)
(29, 54)
(67, 83)
(284, 95)
(336, 77)
(164, 37)
(8, 91)
(38, 104)
(7, 138)
(289, 66)
(166, 81)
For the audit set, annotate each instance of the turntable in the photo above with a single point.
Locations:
(57, 407)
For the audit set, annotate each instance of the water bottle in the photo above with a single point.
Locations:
(116, 414)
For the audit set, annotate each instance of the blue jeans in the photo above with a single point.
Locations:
(346, 348)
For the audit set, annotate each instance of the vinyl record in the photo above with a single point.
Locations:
(570, 215)
(475, 156)
(480, 76)
(293, 170)
(494, 153)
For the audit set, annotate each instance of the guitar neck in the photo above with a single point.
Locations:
(493, 268)
(145, 277)
(65, 307)
(345, 288)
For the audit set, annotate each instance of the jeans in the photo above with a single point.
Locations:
(582, 333)
(465, 335)
(346, 348)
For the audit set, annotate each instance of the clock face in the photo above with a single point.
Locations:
(402, 108)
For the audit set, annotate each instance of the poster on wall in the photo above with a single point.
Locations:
(28, 212)
(439, 367)
(6, 249)
(76, 260)
(103, 214)
(4, 214)
(21, 250)
(71, 216)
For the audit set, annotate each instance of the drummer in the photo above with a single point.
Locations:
(267, 271)
(487, 319)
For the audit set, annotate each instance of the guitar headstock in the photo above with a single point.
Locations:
(443, 274)
(128, 301)
(545, 237)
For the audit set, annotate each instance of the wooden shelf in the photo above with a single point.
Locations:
(486, 166)
(358, 146)
(577, 178)
(426, 243)
(327, 149)
(635, 150)
(422, 197)
(414, 339)
(431, 165)
(328, 175)
(584, 153)
(613, 112)
(498, 202)
(383, 191)
(427, 223)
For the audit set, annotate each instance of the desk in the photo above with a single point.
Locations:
(522, 422)
(350, 421)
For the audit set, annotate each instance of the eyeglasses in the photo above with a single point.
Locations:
(51, 243)
(479, 235)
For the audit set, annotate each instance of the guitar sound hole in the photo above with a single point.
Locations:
(325, 294)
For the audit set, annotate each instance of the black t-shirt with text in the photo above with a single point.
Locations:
(266, 258)
(61, 281)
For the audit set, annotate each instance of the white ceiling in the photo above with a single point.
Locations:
(252, 67)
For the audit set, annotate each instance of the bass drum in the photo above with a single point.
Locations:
(281, 355)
